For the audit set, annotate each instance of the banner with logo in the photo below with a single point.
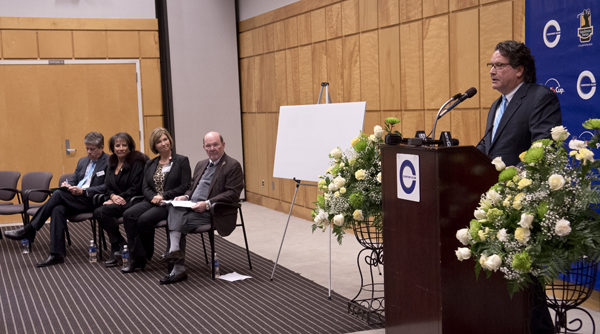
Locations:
(560, 34)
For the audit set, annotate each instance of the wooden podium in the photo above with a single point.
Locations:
(427, 290)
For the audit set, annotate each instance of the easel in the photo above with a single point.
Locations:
(298, 184)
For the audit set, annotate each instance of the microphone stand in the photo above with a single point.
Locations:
(438, 115)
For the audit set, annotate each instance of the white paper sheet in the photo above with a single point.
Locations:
(233, 277)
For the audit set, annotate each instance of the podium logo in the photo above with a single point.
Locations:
(408, 179)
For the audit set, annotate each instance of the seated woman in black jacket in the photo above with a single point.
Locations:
(165, 177)
(123, 181)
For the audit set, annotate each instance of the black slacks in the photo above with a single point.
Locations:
(60, 205)
(140, 221)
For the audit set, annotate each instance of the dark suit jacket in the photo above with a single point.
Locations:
(225, 187)
(128, 182)
(532, 112)
(177, 180)
(97, 183)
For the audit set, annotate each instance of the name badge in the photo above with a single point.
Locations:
(167, 168)
(100, 173)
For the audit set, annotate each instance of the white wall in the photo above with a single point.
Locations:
(114, 9)
(205, 80)
(251, 8)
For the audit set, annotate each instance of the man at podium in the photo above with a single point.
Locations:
(525, 112)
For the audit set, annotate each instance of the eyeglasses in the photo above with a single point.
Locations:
(497, 66)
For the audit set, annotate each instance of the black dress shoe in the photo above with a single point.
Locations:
(133, 265)
(26, 232)
(172, 256)
(112, 261)
(170, 279)
(51, 260)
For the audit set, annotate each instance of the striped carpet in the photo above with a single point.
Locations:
(81, 297)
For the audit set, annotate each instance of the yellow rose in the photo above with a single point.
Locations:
(343, 190)
(358, 215)
(354, 141)
(517, 202)
(524, 183)
(522, 235)
(360, 174)
(522, 156)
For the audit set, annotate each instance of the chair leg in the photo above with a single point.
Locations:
(100, 236)
(168, 240)
(245, 238)
(204, 247)
(211, 237)
(67, 233)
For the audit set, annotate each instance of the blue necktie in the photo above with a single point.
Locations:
(499, 116)
(87, 176)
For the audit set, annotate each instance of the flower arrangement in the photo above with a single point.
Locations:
(351, 186)
(540, 217)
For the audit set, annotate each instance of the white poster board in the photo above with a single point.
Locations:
(307, 133)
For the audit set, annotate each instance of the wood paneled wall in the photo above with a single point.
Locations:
(27, 38)
(405, 58)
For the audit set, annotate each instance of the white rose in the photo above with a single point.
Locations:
(463, 236)
(339, 182)
(493, 262)
(336, 153)
(559, 133)
(556, 181)
(379, 177)
(463, 253)
(378, 131)
(502, 236)
(498, 163)
(575, 144)
(373, 139)
(563, 227)
(321, 218)
(480, 214)
(538, 144)
(338, 220)
(482, 261)
(526, 220)
(332, 187)
(494, 196)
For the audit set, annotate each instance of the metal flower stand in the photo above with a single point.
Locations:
(569, 294)
(370, 309)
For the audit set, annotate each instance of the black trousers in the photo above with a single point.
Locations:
(140, 221)
(60, 205)
(108, 216)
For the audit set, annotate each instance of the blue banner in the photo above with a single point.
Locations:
(560, 34)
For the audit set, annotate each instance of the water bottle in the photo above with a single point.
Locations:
(25, 246)
(125, 256)
(93, 251)
(217, 274)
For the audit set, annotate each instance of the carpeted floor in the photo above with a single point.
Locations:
(83, 297)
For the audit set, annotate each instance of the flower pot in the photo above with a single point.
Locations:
(393, 139)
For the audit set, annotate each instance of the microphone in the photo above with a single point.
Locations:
(468, 94)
